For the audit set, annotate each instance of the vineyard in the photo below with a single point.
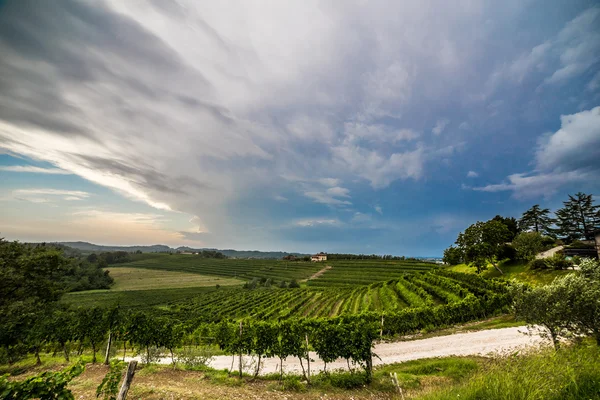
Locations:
(411, 290)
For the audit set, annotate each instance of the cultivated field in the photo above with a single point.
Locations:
(145, 279)
(187, 285)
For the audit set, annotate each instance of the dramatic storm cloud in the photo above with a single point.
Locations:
(294, 124)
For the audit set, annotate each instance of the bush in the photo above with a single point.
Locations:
(527, 245)
(580, 245)
(548, 242)
(192, 357)
(558, 261)
(507, 251)
(538, 263)
(293, 284)
(342, 380)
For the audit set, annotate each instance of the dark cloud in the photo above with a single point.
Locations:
(47, 46)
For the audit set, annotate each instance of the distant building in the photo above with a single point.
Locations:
(319, 257)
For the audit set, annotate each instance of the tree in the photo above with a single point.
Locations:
(536, 219)
(510, 223)
(569, 305)
(452, 256)
(579, 217)
(481, 243)
(546, 306)
(528, 244)
(91, 325)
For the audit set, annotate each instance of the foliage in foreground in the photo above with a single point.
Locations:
(567, 374)
(569, 306)
(45, 386)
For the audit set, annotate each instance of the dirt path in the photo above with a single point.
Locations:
(484, 342)
(549, 253)
(318, 274)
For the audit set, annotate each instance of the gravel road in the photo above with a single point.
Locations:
(491, 341)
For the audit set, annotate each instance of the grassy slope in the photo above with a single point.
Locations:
(144, 279)
(518, 271)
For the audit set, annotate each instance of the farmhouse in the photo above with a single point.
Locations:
(319, 257)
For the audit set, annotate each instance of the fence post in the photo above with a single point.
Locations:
(127, 381)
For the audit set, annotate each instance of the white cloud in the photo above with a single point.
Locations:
(327, 93)
(313, 222)
(280, 198)
(329, 181)
(42, 195)
(571, 52)
(330, 196)
(137, 218)
(575, 145)
(569, 155)
(594, 84)
(440, 125)
(338, 192)
(472, 174)
(32, 169)
(378, 209)
(526, 186)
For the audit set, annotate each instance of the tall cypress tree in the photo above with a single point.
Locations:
(579, 217)
(536, 219)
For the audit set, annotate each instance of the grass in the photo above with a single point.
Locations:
(145, 279)
(568, 374)
(572, 372)
(517, 271)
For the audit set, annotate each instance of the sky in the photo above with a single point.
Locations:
(381, 127)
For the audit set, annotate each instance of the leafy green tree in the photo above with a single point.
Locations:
(62, 330)
(569, 305)
(91, 325)
(452, 256)
(537, 219)
(545, 306)
(579, 217)
(511, 223)
(481, 243)
(528, 244)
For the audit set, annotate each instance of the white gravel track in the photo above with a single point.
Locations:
(485, 342)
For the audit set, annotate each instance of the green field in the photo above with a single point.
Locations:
(187, 284)
(127, 278)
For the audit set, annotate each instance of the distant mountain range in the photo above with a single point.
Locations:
(161, 248)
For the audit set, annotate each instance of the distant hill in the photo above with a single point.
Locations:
(161, 248)
(90, 247)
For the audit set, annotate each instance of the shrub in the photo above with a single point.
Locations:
(580, 245)
(192, 357)
(507, 251)
(558, 261)
(342, 380)
(527, 245)
(293, 284)
(538, 263)
(548, 242)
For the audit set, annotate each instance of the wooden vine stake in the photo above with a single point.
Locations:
(394, 377)
(240, 365)
(307, 358)
(127, 381)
